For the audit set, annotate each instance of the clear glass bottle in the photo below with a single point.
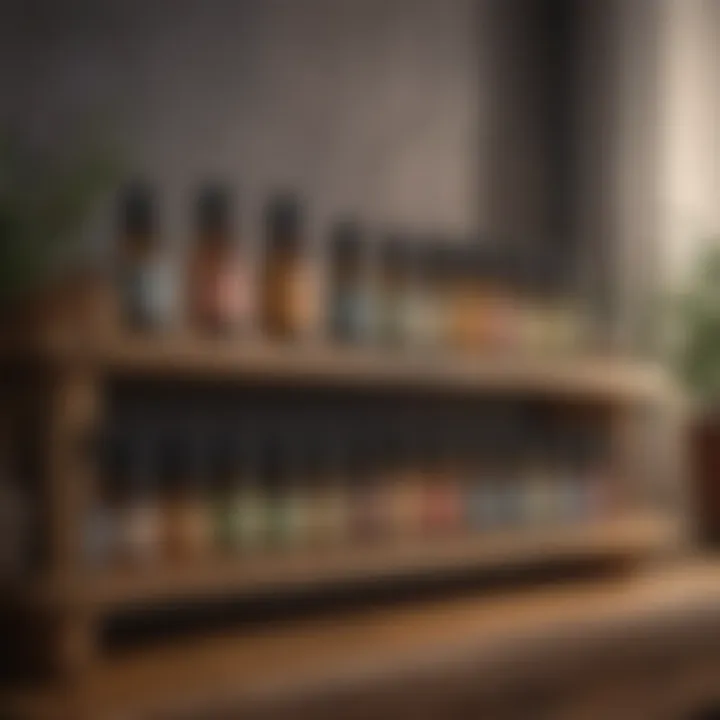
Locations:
(508, 455)
(480, 513)
(597, 476)
(417, 307)
(463, 298)
(556, 320)
(218, 289)
(140, 516)
(394, 290)
(538, 481)
(227, 478)
(247, 504)
(286, 468)
(500, 299)
(433, 298)
(148, 284)
(349, 305)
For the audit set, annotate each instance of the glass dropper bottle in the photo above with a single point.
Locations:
(248, 501)
(148, 281)
(218, 296)
(141, 520)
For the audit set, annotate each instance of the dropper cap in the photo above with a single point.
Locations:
(137, 214)
(214, 209)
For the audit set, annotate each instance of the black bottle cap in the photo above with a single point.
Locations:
(338, 449)
(273, 459)
(486, 261)
(395, 252)
(284, 218)
(467, 261)
(363, 453)
(523, 271)
(591, 446)
(143, 458)
(224, 454)
(180, 453)
(137, 209)
(438, 259)
(116, 455)
(313, 453)
(346, 239)
(214, 209)
(546, 272)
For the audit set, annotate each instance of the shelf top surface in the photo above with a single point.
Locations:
(155, 586)
(606, 378)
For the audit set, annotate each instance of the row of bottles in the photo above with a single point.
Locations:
(395, 289)
(184, 493)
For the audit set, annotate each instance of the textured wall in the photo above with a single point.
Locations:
(371, 106)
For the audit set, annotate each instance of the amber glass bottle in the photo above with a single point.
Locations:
(289, 292)
(188, 513)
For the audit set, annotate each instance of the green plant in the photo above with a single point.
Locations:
(46, 197)
(699, 305)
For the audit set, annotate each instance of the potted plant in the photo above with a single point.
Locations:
(46, 198)
(699, 368)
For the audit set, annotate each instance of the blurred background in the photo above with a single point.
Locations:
(352, 347)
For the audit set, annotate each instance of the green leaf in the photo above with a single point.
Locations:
(45, 199)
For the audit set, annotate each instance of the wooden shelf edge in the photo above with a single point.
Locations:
(621, 538)
(607, 378)
(485, 636)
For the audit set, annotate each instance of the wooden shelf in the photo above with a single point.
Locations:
(621, 538)
(484, 640)
(178, 355)
(66, 341)
(477, 642)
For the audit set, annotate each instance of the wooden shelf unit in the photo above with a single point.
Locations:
(72, 371)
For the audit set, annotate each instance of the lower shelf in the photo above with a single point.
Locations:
(622, 537)
(607, 633)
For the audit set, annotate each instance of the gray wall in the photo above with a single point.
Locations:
(446, 115)
(373, 106)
